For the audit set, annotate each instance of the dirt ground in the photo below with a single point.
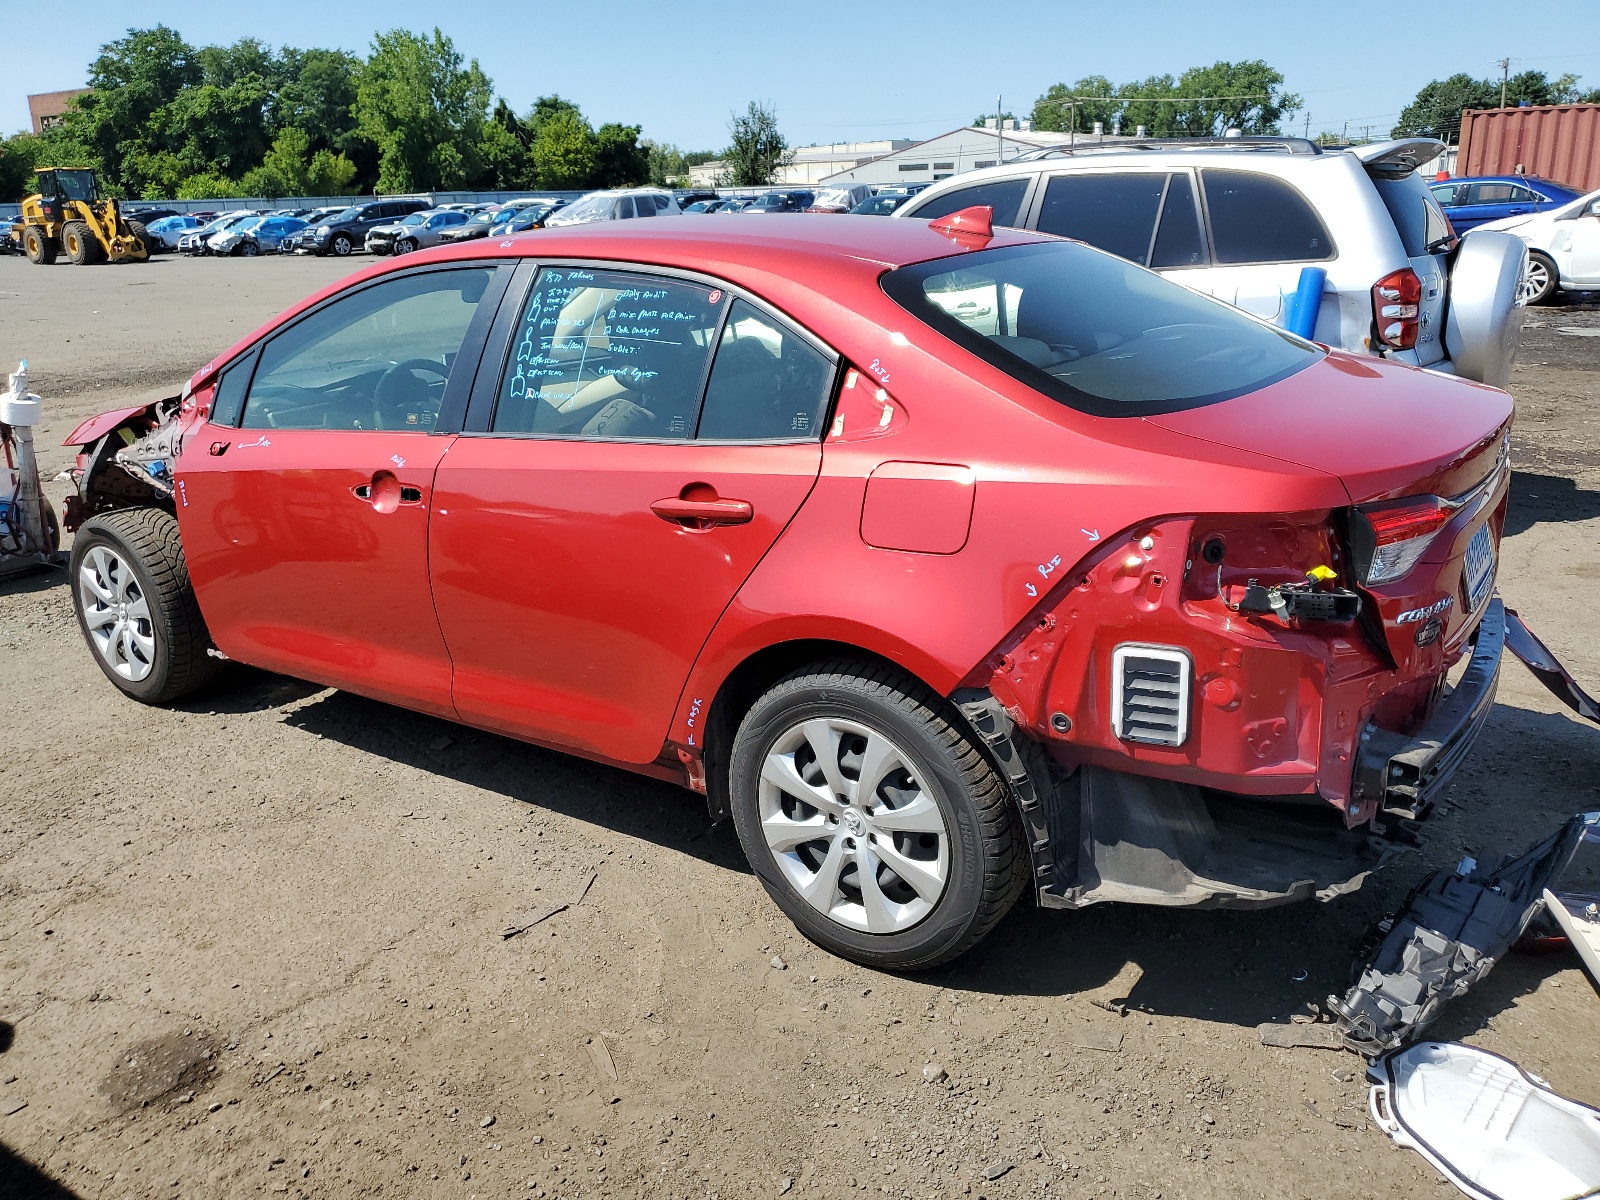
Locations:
(252, 944)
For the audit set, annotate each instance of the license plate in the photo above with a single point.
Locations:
(1479, 571)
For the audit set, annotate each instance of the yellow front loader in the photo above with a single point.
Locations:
(66, 213)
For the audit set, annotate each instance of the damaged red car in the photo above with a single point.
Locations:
(954, 566)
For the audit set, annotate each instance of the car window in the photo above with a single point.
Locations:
(1499, 193)
(1259, 219)
(1002, 195)
(227, 402)
(1179, 240)
(1096, 332)
(644, 206)
(766, 382)
(376, 359)
(608, 354)
(624, 209)
(1415, 211)
(1446, 193)
(1117, 213)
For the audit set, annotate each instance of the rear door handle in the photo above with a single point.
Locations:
(703, 514)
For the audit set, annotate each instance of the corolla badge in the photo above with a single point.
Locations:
(1412, 615)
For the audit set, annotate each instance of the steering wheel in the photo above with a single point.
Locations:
(400, 392)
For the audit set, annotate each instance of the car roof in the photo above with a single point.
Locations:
(786, 251)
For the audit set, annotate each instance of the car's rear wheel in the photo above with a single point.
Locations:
(38, 245)
(1541, 279)
(136, 607)
(872, 818)
(341, 245)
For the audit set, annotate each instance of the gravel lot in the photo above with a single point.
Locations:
(252, 944)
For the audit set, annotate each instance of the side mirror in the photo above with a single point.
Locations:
(1594, 209)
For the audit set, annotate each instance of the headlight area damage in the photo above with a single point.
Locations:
(125, 458)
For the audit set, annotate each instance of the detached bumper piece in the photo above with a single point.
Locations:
(1448, 935)
(1404, 773)
(1545, 668)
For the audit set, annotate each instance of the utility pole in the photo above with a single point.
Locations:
(999, 130)
(1505, 71)
(1308, 124)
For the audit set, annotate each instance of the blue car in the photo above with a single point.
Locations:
(1471, 201)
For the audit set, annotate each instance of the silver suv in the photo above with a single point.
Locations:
(1242, 219)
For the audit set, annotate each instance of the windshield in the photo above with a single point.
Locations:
(1097, 332)
(832, 196)
(879, 206)
(349, 214)
(1576, 209)
(413, 219)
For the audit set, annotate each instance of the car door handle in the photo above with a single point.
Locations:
(386, 493)
(707, 513)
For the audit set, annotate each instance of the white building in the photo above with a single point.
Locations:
(811, 164)
(969, 148)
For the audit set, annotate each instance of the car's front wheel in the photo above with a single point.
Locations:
(248, 249)
(404, 246)
(341, 245)
(136, 607)
(1541, 279)
(872, 818)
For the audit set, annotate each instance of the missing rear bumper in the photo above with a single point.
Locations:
(1405, 774)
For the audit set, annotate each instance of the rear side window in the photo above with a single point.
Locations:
(1259, 219)
(1117, 213)
(1002, 195)
(609, 354)
(1415, 211)
(1096, 332)
(766, 383)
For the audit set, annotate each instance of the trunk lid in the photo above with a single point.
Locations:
(1383, 428)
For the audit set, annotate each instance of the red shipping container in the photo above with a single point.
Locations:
(1558, 142)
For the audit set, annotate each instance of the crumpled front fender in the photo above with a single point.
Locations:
(95, 428)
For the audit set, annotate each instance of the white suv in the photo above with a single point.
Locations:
(616, 204)
(1241, 219)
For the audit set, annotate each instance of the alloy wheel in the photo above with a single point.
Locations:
(116, 614)
(853, 826)
(1535, 281)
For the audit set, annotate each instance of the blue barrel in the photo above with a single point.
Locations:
(1307, 302)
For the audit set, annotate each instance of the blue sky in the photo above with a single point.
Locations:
(850, 72)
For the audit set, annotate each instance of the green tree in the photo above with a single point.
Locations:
(757, 151)
(1052, 111)
(1247, 96)
(423, 109)
(619, 160)
(19, 155)
(131, 81)
(1436, 110)
(563, 150)
(207, 186)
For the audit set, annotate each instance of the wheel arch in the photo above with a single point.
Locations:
(743, 682)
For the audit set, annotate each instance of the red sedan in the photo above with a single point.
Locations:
(952, 565)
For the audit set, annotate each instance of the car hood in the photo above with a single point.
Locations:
(1382, 428)
(389, 229)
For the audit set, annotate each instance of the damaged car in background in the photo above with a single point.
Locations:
(953, 563)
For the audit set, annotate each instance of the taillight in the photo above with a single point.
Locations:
(1395, 301)
(1388, 539)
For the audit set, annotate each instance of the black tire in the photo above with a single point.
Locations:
(39, 246)
(137, 228)
(146, 541)
(1543, 280)
(987, 866)
(405, 246)
(340, 245)
(79, 243)
(248, 250)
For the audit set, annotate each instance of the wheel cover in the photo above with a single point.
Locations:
(1535, 281)
(341, 246)
(116, 614)
(853, 826)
